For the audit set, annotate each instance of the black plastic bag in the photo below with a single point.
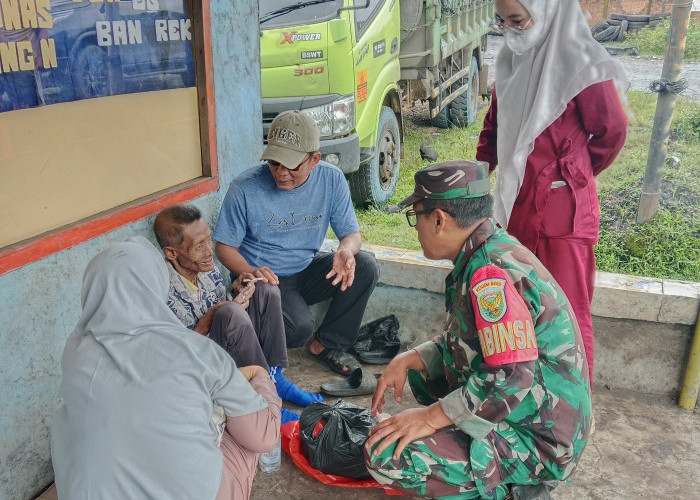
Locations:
(338, 447)
(379, 335)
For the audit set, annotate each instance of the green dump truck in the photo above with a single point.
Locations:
(352, 64)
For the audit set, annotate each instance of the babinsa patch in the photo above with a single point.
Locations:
(504, 323)
(490, 297)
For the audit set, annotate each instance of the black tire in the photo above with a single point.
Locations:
(464, 107)
(90, 73)
(659, 17)
(614, 22)
(375, 182)
(606, 35)
(616, 34)
(623, 32)
(631, 17)
(636, 26)
(442, 119)
(599, 26)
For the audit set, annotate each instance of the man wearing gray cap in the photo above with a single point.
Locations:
(508, 404)
(272, 224)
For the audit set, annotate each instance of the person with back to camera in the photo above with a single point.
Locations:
(142, 395)
(508, 403)
(555, 122)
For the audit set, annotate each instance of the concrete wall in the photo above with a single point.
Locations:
(41, 301)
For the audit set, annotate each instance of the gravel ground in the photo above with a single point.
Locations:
(640, 70)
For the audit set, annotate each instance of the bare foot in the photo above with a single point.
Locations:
(315, 347)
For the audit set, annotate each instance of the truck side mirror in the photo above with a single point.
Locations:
(339, 29)
(354, 7)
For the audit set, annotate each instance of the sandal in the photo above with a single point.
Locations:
(359, 383)
(337, 359)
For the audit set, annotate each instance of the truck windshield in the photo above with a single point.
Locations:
(290, 12)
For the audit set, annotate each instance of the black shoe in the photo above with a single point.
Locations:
(378, 342)
(380, 356)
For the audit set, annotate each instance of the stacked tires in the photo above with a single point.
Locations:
(616, 28)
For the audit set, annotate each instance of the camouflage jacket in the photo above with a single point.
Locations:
(522, 395)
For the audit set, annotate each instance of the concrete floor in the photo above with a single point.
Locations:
(643, 447)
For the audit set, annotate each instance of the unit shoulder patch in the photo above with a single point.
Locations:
(490, 297)
(503, 322)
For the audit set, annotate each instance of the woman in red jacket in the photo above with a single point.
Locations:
(557, 122)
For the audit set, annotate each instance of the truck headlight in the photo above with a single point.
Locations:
(335, 118)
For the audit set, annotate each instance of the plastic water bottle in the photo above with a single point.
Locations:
(270, 461)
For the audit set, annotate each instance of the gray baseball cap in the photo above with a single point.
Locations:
(292, 136)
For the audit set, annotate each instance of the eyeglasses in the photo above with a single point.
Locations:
(276, 164)
(502, 25)
(412, 215)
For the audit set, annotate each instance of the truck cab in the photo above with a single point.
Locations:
(337, 60)
(351, 64)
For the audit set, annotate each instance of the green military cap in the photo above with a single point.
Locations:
(450, 180)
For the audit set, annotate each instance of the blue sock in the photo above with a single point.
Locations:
(289, 416)
(290, 392)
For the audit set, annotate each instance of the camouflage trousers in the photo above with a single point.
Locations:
(437, 466)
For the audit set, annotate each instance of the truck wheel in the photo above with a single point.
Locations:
(442, 119)
(375, 182)
(90, 73)
(464, 107)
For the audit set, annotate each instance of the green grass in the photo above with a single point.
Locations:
(652, 41)
(381, 228)
(667, 247)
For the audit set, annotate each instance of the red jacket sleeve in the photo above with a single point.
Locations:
(486, 149)
(604, 118)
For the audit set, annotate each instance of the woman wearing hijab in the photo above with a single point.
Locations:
(557, 123)
(140, 392)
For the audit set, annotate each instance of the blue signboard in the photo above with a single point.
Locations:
(55, 51)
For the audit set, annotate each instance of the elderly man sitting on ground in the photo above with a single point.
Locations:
(249, 326)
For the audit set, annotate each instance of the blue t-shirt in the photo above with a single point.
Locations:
(283, 230)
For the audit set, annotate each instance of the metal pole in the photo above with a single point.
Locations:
(691, 382)
(649, 6)
(606, 4)
(673, 61)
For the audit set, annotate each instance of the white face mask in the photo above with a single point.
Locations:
(524, 40)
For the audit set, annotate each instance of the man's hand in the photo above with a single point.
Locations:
(395, 377)
(204, 324)
(241, 283)
(267, 274)
(252, 371)
(243, 290)
(234, 262)
(243, 297)
(343, 269)
(407, 426)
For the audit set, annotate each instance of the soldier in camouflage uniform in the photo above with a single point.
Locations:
(506, 385)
